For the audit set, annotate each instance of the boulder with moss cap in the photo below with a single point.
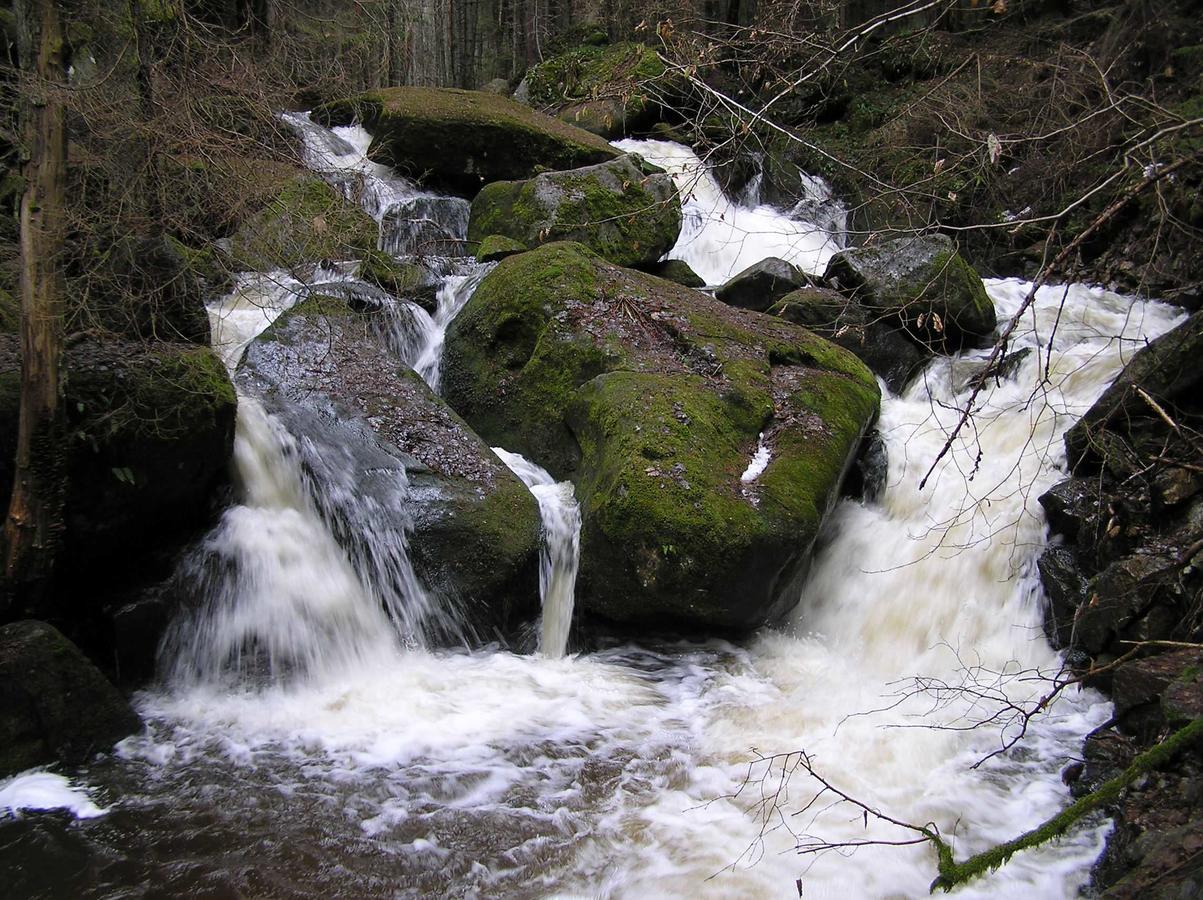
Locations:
(652, 397)
(460, 140)
(624, 210)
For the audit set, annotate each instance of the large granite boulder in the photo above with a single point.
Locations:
(55, 705)
(384, 447)
(655, 399)
(624, 210)
(460, 140)
(609, 90)
(922, 284)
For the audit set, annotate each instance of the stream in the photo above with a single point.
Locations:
(351, 757)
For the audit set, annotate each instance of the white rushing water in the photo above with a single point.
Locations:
(721, 237)
(632, 772)
(561, 516)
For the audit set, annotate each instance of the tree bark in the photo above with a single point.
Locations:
(35, 521)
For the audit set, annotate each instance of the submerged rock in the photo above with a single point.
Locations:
(55, 705)
(459, 140)
(883, 347)
(608, 90)
(761, 284)
(381, 440)
(923, 284)
(653, 397)
(624, 210)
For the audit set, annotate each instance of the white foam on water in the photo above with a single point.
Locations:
(37, 789)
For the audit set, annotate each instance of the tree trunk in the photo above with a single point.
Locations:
(34, 524)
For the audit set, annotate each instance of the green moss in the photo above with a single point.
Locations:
(496, 246)
(308, 220)
(616, 210)
(387, 273)
(10, 313)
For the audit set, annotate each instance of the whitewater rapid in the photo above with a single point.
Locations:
(637, 770)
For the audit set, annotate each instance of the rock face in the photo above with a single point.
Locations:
(624, 210)
(923, 285)
(1130, 569)
(651, 397)
(761, 284)
(308, 220)
(150, 432)
(606, 90)
(884, 348)
(459, 140)
(55, 706)
(402, 456)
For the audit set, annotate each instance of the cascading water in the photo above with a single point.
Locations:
(398, 771)
(720, 237)
(561, 548)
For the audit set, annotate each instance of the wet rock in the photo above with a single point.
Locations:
(924, 284)
(373, 430)
(883, 347)
(1065, 587)
(867, 479)
(1116, 598)
(55, 705)
(1167, 371)
(761, 284)
(608, 90)
(460, 140)
(1077, 509)
(624, 210)
(678, 271)
(651, 396)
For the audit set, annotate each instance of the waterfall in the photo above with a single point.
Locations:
(721, 237)
(561, 548)
(311, 739)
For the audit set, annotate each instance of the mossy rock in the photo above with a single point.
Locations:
(460, 140)
(761, 284)
(307, 220)
(625, 211)
(150, 431)
(881, 346)
(389, 274)
(923, 284)
(55, 705)
(370, 423)
(498, 246)
(608, 90)
(652, 397)
(678, 271)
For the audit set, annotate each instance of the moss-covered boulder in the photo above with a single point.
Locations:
(307, 220)
(881, 346)
(55, 705)
(459, 140)
(624, 210)
(654, 399)
(609, 90)
(923, 284)
(150, 430)
(677, 270)
(397, 454)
